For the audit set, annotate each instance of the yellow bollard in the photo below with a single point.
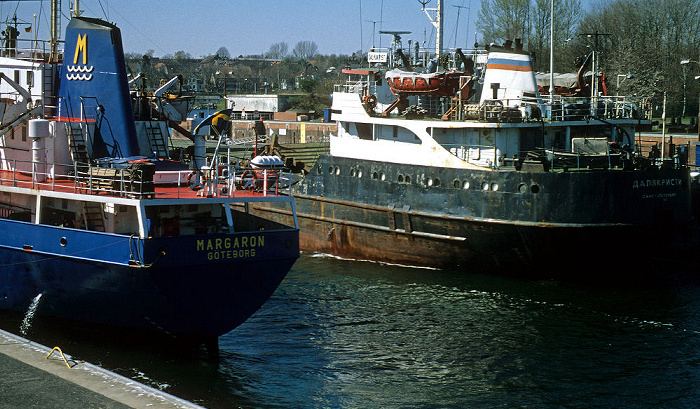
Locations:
(62, 356)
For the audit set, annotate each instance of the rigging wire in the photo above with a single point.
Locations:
(103, 9)
(106, 9)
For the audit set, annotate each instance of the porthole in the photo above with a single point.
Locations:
(63, 241)
(382, 176)
(408, 179)
(494, 186)
(430, 182)
(522, 188)
(436, 182)
(375, 175)
(359, 174)
(337, 170)
(485, 186)
(330, 169)
(535, 188)
(352, 172)
(456, 183)
(465, 185)
(400, 178)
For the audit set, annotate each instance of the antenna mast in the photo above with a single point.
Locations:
(436, 22)
(55, 28)
(75, 9)
(459, 8)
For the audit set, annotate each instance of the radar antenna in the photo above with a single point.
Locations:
(395, 43)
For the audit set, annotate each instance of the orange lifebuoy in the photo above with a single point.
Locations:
(370, 101)
(252, 177)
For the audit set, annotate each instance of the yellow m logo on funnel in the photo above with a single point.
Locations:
(81, 45)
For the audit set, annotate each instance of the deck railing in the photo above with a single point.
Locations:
(557, 108)
(489, 156)
(135, 182)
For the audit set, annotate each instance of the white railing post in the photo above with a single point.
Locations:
(265, 182)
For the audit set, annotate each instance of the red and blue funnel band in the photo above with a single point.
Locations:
(508, 65)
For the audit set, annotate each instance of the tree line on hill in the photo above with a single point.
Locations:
(302, 71)
(640, 43)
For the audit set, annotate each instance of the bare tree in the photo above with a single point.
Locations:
(567, 16)
(305, 50)
(277, 51)
(222, 52)
(501, 20)
(649, 38)
(182, 55)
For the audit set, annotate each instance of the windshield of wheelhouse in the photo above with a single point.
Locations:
(175, 220)
(378, 132)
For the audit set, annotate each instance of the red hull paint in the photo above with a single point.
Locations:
(337, 228)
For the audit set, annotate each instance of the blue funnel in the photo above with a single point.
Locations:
(93, 87)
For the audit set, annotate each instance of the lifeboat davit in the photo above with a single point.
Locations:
(437, 83)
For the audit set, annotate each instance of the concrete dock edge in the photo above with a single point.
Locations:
(100, 384)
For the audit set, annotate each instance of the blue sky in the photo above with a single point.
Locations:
(245, 27)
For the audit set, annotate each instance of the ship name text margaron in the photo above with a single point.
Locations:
(230, 247)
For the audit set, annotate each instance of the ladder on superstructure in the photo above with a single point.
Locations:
(50, 101)
(157, 139)
(94, 216)
(77, 142)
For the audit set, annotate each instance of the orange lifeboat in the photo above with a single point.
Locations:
(439, 83)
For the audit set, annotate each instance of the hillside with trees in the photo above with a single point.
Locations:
(641, 45)
(302, 71)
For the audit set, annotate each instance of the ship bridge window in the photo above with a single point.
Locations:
(12, 212)
(396, 133)
(360, 130)
(364, 131)
(177, 220)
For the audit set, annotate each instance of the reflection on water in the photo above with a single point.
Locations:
(353, 334)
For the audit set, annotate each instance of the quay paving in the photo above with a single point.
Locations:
(29, 380)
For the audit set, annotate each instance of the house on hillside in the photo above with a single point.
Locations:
(194, 83)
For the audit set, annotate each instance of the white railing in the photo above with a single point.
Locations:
(608, 107)
(133, 182)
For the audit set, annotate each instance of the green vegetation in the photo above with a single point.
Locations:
(641, 44)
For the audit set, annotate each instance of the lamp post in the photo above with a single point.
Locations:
(551, 53)
(684, 63)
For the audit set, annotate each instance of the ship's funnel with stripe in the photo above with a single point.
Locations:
(93, 88)
(509, 77)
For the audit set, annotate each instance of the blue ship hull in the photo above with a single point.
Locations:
(191, 287)
(104, 228)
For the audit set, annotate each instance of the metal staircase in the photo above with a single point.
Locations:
(77, 143)
(50, 102)
(157, 139)
(94, 216)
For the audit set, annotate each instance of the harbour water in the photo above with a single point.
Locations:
(348, 334)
